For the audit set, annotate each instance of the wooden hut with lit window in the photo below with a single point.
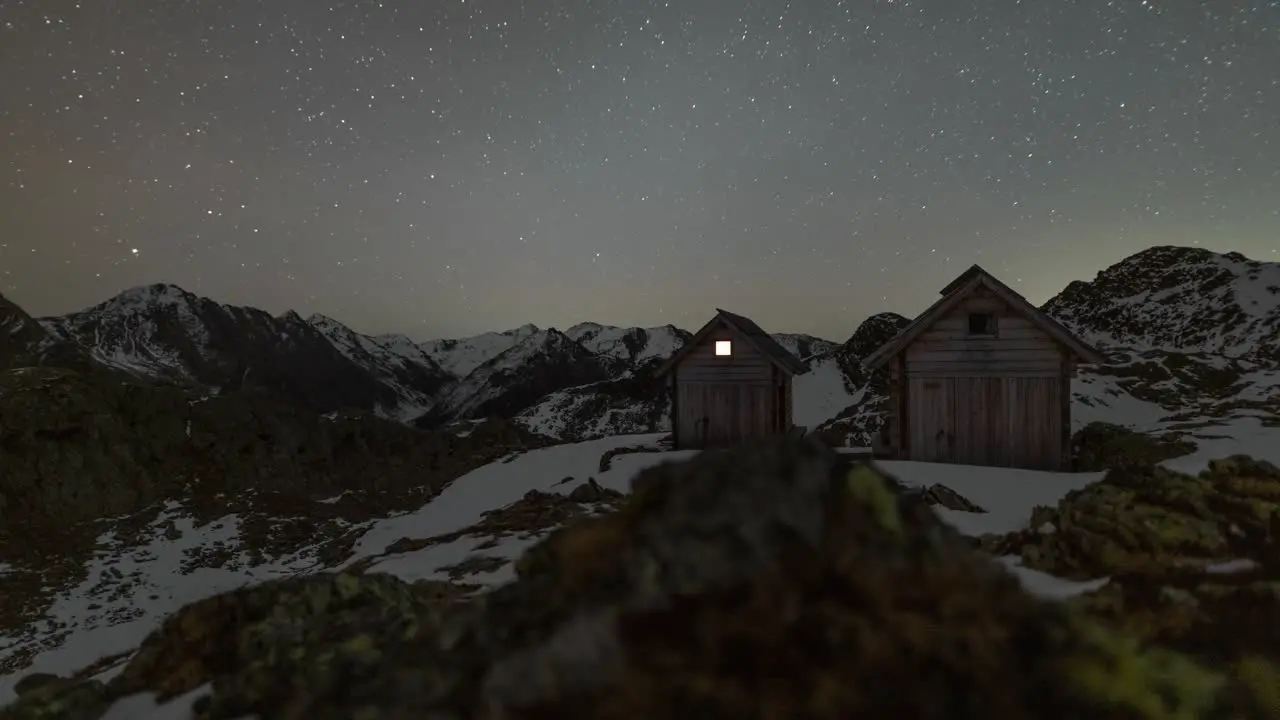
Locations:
(730, 385)
(982, 377)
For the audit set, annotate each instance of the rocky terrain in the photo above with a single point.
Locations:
(1178, 299)
(158, 452)
(773, 582)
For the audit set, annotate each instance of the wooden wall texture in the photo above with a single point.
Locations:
(724, 401)
(1001, 401)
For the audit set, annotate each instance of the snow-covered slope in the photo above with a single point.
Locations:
(162, 332)
(803, 346)
(460, 356)
(542, 362)
(821, 393)
(1179, 299)
(394, 359)
(634, 345)
(634, 402)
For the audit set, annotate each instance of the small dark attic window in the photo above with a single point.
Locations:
(982, 324)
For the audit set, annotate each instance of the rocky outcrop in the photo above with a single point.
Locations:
(1183, 299)
(1191, 561)
(773, 582)
(1148, 519)
(860, 423)
(1103, 446)
(81, 446)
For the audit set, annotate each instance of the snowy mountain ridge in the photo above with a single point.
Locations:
(588, 380)
(1178, 299)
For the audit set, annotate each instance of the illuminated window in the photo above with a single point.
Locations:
(724, 347)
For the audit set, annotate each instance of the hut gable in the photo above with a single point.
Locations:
(982, 311)
(751, 341)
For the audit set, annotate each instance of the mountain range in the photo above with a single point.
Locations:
(592, 380)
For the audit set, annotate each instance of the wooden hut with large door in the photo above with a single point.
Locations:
(982, 378)
(730, 385)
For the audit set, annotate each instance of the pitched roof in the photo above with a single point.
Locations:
(749, 331)
(957, 290)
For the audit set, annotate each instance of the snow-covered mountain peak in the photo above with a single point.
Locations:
(1179, 299)
(634, 345)
(803, 346)
(460, 356)
(151, 296)
(872, 333)
(523, 331)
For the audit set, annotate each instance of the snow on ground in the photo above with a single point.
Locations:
(1244, 436)
(1099, 398)
(143, 706)
(129, 590)
(495, 485)
(1007, 494)
(426, 564)
(561, 414)
(1232, 566)
(1046, 586)
(820, 394)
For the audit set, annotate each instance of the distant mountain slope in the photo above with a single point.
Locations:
(24, 342)
(804, 346)
(165, 332)
(460, 356)
(1181, 299)
(635, 402)
(543, 362)
(394, 359)
(591, 379)
(634, 345)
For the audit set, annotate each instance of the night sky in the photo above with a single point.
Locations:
(448, 167)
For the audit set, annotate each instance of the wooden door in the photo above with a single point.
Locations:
(980, 421)
(724, 414)
(1033, 415)
(932, 432)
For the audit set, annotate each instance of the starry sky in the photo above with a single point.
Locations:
(449, 167)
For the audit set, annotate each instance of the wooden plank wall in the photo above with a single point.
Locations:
(930, 419)
(788, 404)
(735, 413)
(745, 365)
(1019, 347)
(995, 421)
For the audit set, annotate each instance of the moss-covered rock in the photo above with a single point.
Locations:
(774, 582)
(1103, 446)
(1146, 519)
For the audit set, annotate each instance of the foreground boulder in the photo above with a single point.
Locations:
(1104, 446)
(1193, 561)
(770, 583)
(1149, 519)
